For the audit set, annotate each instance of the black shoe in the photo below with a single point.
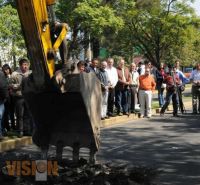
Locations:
(21, 134)
(110, 114)
(194, 112)
(27, 134)
(125, 113)
(161, 113)
(175, 115)
(119, 114)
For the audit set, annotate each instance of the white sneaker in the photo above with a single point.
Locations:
(149, 116)
(141, 116)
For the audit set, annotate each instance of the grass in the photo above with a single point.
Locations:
(11, 135)
(188, 96)
(155, 104)
(188, 85)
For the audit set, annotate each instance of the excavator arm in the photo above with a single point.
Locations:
(67, 116)
(39, 32)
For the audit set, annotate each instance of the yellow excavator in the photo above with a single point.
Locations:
(65, 105)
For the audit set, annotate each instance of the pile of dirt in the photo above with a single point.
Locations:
(84, 173)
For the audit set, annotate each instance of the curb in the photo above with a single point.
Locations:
(118, 119)
(122, 119)
(11, 144)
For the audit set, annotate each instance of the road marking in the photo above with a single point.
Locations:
(115, 148)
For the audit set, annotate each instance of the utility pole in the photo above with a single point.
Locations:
(89, 50)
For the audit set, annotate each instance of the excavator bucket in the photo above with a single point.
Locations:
(71, 118)
(63, 117)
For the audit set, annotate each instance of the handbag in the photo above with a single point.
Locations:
(182, 88)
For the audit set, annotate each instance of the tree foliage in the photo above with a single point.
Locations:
(88, 19)
(160, 30)
(11, 39)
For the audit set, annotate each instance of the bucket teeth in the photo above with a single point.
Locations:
(59, 150)
(75, 154)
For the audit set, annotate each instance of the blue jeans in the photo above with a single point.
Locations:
(1, 116)
(161, 96)
(121, 100)
(171, 95)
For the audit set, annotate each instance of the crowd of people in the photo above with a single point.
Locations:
(14, 112)
(124, 88)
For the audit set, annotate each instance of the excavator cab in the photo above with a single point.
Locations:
(65, 106)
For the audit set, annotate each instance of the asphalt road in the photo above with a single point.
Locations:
(169, 144)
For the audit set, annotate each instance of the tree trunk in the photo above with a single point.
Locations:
(95, 47)
(14, 61)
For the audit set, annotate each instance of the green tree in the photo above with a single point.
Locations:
(160, 29)
(88, 19)
(189, 51)
(11, 38)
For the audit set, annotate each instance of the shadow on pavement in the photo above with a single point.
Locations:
(166, 143)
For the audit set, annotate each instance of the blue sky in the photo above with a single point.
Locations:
(196, 5)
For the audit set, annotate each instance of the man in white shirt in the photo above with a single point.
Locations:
(134, 86)
(113, 78)
(195, 80)
(181, 88)
(141, 68)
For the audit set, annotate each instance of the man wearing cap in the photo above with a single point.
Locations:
(22, 112)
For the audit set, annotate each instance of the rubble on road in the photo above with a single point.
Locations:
(84, 173)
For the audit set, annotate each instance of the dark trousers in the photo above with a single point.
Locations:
(9, 114)
(24, 119)
(111, 97)
(121, 100)
(161, 96)
(170, 95)
(196, 98)
(180, 100)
